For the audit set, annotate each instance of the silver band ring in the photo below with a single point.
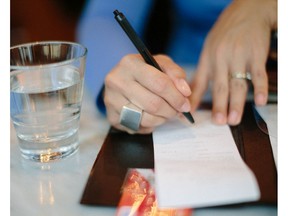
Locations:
(131, 116)
(241, 75)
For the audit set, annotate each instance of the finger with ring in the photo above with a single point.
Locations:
(241, 75)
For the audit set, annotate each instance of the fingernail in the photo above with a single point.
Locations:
(260, 99)
(183, 87)
(186, 107)
(233, 117)
(219, 118)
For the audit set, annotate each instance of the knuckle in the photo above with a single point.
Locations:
(239, 47)
(240, 85)
(164, 58)
(259, 74)
(237, 53)
(160, 85)
(220, 88)
(170, 67)
(128, 60)
(154, 105)
(112, 82)
(176, 70)
(109, 80)
(219, 50)
(260, 79)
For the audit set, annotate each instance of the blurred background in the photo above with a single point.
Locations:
(39, 20)
(35, 20)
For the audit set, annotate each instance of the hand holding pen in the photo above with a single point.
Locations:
(148, 58)
(157, 96)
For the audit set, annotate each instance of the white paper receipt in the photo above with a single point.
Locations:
(199, 165)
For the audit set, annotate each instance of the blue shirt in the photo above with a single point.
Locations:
(107, 43)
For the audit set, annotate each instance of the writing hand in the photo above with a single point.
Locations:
(161, 96)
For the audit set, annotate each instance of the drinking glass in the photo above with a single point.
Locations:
(46, 88)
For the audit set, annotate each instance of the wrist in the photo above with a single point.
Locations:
(267, 9)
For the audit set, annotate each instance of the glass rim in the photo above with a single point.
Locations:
(65, 62)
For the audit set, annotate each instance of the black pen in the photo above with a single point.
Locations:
(142, 49)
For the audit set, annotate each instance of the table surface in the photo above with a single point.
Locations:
(56, 188)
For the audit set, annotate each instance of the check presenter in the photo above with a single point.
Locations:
(233, 54)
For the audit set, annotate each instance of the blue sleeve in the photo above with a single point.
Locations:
(105, 40)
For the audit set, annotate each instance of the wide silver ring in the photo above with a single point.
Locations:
(131, 116)
(241, 75)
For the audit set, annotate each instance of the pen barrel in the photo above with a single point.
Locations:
(130, 32)
(138, 43)
(149, 59)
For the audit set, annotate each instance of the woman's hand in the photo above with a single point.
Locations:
(161, 96)
(238, 43)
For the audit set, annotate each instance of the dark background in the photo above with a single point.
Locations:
(38, 20)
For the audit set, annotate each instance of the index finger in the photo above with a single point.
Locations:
(175, 72)
(162, 85)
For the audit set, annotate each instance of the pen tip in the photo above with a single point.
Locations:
(189, 117)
